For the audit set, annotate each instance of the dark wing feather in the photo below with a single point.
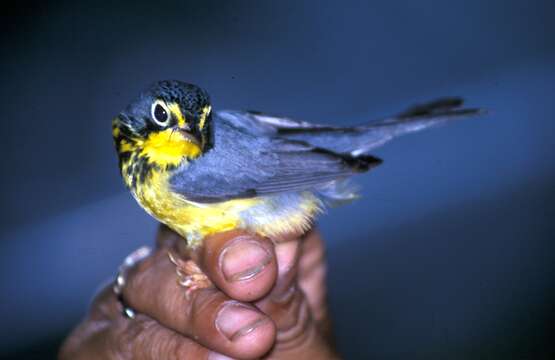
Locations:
(243, 164)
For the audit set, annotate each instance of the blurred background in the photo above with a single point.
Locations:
(449, 255)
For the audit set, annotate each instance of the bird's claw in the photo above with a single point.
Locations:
(189, 275)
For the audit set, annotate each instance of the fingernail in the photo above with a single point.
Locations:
(286, 255)
(216, 356)
(243, 260)
(236, 320)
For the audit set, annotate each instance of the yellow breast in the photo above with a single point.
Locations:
(194, 221)
(191, 220)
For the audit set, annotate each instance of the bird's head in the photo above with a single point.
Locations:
(168, 123)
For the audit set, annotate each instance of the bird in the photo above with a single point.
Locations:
(202, 171)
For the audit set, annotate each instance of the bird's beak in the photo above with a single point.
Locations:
(188, 135)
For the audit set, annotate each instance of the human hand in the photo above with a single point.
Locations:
(269, 301)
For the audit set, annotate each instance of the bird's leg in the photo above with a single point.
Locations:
(189, 275)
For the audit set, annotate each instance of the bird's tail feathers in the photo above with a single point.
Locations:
(416, 118)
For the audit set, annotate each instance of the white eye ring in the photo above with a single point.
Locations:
(160, 113)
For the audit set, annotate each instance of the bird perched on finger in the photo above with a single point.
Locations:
(201, 171)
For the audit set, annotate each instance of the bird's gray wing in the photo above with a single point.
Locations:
(257, 122)
(360, 139)
(243, 164)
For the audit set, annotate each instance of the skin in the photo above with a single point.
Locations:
(269, 302)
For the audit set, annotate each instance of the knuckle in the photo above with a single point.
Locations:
(130, 339)
(174, 307)
(142, 279)
(136, 276)
(286, 309)
(313, 260)
(157, 343)
(118, 346)
(178, 349)
(298, 330)
(182, 348)
(166, 347)
(291, 315)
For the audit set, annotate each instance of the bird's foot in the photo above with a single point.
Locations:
(189, 275)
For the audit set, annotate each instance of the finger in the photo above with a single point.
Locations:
(312, 274)
(208, 316)
(142, 338)
(297, 332)
(107, 334)
(286, 304)
(240, 264)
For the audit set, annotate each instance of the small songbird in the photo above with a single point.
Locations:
(201, 171)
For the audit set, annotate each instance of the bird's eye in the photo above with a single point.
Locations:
(160, 113)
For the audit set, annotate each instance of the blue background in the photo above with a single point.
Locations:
(450, 253)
